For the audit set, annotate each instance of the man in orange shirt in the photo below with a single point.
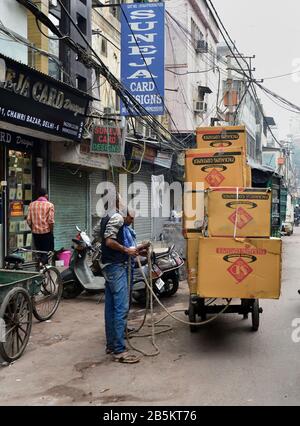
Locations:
(41, 221)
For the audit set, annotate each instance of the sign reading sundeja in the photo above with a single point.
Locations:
(142, 60)
(106, 140)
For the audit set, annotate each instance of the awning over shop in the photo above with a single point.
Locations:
(261, 174)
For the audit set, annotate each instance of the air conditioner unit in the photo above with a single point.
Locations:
(53, 3)
(201, 46)
(200, 106)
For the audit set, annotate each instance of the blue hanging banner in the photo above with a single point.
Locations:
(142, 55)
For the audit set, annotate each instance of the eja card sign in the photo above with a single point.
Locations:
(142, 55)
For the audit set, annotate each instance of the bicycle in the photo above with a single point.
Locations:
(46, 300)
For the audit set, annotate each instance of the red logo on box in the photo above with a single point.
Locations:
(240, 217)
(214, 178)
(240, 270)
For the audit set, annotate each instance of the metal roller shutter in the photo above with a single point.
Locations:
(143, 225)
(95, 178)
(69, 193)
(159, 222)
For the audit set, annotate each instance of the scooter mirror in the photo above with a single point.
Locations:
(86, 239)
(78, 229)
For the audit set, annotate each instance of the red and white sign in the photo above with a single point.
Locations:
(240, 270)
(240, 217)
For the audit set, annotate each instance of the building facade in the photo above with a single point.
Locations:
(192, 76)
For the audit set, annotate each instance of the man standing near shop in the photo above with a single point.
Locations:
(40, 218)
(115, 261)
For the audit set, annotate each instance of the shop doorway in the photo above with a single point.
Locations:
(19, 196)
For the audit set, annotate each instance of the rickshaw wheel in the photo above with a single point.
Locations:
(255, 315)
(16, 316)
(192, 317)
(46, 301)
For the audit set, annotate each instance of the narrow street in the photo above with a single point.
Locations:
(225, 363)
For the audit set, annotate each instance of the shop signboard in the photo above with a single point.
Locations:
(148, 154)
(33, 100)
(142, 55)
(16, 141)
(107, 140)
(80, 155)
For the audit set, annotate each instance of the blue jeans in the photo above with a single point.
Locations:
(116, 305)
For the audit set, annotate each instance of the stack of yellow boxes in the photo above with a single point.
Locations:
(227, 223)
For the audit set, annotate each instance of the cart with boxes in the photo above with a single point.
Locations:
(227, 224)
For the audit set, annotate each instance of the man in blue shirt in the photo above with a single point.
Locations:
(118, 249)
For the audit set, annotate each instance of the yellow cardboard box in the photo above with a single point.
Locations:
(192, 250)
(248, 176)
(215, 168)
(193, 211)
(221, 137)
(245, 269)
(239, 212)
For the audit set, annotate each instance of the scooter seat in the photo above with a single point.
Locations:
(14, 258)
(161, 252)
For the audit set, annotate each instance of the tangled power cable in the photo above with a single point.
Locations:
(151, 294)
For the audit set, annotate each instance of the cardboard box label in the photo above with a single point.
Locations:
(221, 137)
(240, 260)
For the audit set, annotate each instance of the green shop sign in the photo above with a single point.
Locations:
(106, 140)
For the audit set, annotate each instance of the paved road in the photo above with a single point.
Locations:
(224, 363)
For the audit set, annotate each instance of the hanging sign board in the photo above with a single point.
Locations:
(107, 140)
(142, 55)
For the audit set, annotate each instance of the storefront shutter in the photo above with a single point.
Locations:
(159, 222)
(143, 225)
(95, 178)
(69, 193)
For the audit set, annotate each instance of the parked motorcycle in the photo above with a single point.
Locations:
(168, 261)
(84, 272)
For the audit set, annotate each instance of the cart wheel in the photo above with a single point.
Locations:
(46, 301)
(192, 317)
(16, 312)
(255, 315)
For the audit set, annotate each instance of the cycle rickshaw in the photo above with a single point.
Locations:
(24, 293)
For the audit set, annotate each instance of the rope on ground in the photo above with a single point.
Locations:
(151, 293)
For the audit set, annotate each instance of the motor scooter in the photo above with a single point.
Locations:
(79, 276)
